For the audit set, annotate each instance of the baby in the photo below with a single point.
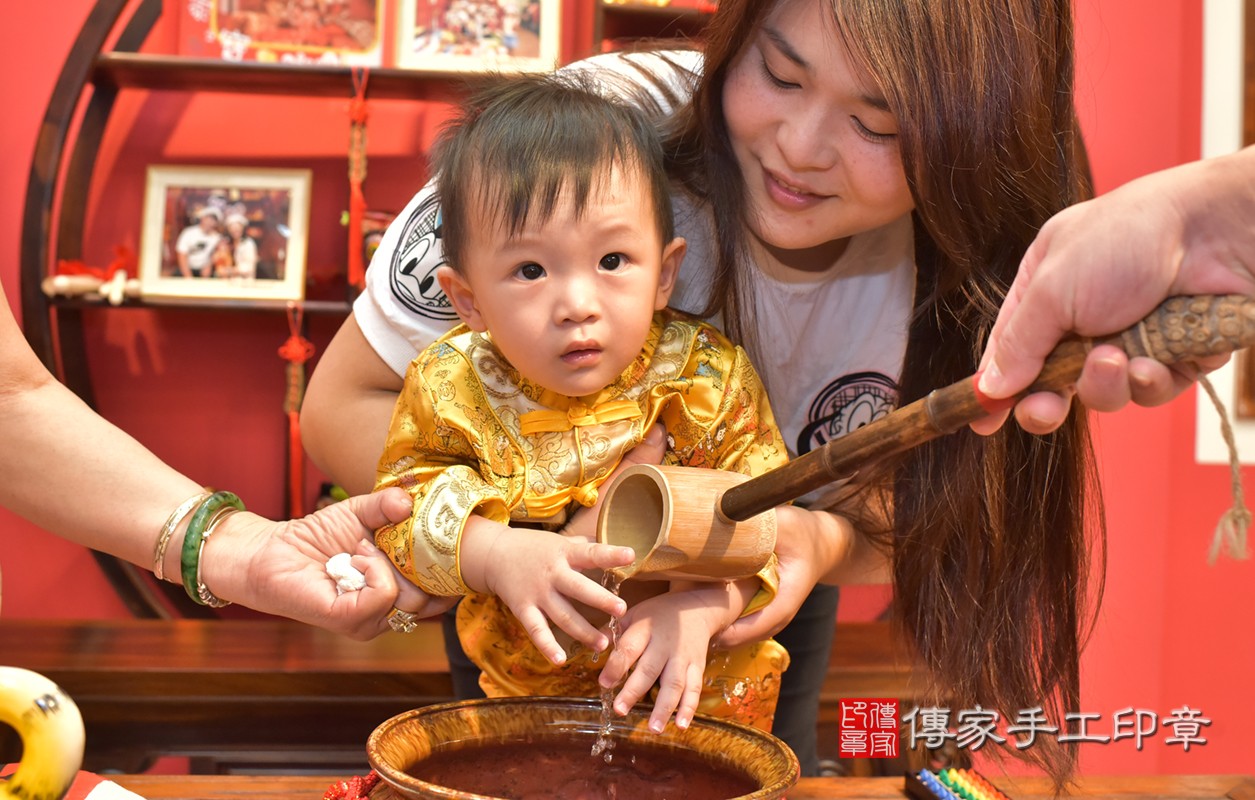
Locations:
(561, 257)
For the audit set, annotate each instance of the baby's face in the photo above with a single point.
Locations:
(569, 302)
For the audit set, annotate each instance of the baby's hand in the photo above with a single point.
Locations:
(668, 638)
(538, 575)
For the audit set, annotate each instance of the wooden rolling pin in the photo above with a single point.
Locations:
(1181, 329)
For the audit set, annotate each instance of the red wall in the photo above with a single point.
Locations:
(204, 390)
(1169, 632)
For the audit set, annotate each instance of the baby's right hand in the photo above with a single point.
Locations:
(538, 575)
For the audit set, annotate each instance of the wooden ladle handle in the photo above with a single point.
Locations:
(1180, 329)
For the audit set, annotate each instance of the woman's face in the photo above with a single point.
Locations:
(813, 136)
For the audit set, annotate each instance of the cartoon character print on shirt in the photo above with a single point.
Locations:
(845, 405)
(412, 273)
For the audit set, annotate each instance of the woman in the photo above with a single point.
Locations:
(987, 535)
(241, 249)
(875, 170)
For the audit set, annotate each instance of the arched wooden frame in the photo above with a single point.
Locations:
(56, 205)
(103, 60)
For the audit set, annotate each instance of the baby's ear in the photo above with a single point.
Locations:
(672, 257)
(459, 292)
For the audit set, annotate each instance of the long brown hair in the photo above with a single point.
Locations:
(989, 539)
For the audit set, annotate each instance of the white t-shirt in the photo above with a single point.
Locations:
(198, 245)
(830, 349)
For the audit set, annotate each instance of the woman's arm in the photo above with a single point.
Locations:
(75, 474)
(848, 554)
(812, 547)
(347, 408)
(69, 470)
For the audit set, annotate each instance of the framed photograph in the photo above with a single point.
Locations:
(478, 35)
(224, 234)
(343, 32)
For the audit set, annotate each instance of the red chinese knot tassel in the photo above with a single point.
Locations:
(358, 113)
(296, 351)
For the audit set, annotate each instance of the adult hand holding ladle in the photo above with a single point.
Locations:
(1181, 329)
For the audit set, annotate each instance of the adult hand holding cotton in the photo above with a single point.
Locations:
(347, 577)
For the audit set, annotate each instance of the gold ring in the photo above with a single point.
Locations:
(402, 621)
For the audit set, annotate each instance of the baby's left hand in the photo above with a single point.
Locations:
(667, 638)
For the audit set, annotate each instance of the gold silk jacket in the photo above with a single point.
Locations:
(469, 435)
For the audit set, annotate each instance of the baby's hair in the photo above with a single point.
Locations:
(523, 143)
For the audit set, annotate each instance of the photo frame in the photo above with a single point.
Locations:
(478, 35)
(325, 32)
(224, 234)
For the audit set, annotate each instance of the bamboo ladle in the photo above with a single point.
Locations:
(693, 523)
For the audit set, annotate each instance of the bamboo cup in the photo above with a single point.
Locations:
(664, 514)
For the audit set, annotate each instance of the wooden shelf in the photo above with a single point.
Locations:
(646, 10)
(620, 24)
(120, 70)
(331, 307)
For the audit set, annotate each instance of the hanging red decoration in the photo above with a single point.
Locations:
(296, 351)
(123, 261)
(358, 114)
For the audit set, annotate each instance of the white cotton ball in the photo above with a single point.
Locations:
(347, 577)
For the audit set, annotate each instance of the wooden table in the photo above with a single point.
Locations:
(232, 695)
(235, 787)
(281, 697)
